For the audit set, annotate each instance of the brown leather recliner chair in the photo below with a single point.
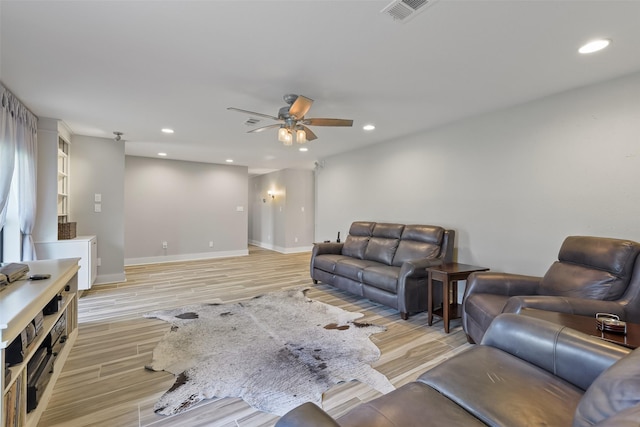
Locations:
(592, 274)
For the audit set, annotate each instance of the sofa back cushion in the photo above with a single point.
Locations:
(591, 267)
(362, 228)
(615, 390)
(383, 243)
(356, 242)
(419, 241)
(354, 246)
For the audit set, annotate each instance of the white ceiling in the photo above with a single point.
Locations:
(139, 66)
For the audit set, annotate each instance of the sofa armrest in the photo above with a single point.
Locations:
(579, 306)
(306, 415)
(419, 266)
(573, 356)
(488, 282)
(322, 249)
(626, 418)
(326, 248)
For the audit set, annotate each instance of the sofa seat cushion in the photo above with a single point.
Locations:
(327, 262)
(382, 277)
(615, 390)
(410, 405)
(352, 268)
(503, 390)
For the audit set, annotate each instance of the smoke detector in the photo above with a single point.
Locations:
(405, 10)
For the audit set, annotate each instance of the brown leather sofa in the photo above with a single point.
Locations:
(526, 372)
(385, 263)
(592, 274)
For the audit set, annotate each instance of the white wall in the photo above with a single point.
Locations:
(97, 167)
(186, 204)
(284, 223)
(46, 225)
(512, 183)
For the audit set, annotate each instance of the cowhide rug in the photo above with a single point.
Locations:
(275, 351)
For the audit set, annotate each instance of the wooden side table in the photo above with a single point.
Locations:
(448, 274)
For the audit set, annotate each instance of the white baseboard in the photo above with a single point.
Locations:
(103, 279)
(280, 248)
(184, 257)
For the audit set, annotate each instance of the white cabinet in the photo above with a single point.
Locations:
(21, 303)
(83, 247)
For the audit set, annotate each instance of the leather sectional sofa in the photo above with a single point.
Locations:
(526, 372)
(385, 263)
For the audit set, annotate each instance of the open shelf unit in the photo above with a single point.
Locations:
(20, 303)
(63, 179)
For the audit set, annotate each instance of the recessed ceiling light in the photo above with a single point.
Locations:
(303, 149)
(229, 160)
(368, 127)
(167, 130)
(162, 154)
(594, 46)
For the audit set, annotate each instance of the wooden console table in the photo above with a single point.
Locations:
(448, 274)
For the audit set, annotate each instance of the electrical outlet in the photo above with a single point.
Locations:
(99, 262)
(295, 239)
(164, 245)
(211, 243)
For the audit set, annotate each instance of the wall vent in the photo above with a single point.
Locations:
(405, 10)
(252, 121)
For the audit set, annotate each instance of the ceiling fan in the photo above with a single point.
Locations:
(293, 121)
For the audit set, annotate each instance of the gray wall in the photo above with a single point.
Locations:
(97, 167)
(186, 204)
(284, 223)
(512, 183)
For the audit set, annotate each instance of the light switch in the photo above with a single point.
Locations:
(240, 208)
(97, 207)
(97, 197)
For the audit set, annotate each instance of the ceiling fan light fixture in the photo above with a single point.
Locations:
(288, 140)
(282, 134)
(301, 136)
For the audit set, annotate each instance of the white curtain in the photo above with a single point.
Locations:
(27, 186)
(7, 150)
(18, 149)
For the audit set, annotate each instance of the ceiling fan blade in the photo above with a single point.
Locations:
(328, 122)
(263, 128)
(310, 135)
(300, 107)
(252, 113)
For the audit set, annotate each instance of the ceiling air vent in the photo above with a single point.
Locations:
(251, 121)
(405, 10)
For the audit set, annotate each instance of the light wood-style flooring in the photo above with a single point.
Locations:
(104, 382)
